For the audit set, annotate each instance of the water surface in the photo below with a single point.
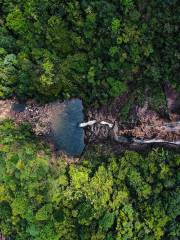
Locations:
(19, 107)
(66, 133)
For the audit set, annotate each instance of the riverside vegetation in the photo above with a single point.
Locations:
(131, 196)
(93, 50)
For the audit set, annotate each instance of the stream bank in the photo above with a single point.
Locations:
(58, 123)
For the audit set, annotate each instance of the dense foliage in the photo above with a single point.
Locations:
(90, 49)
(94, 50)
(103, 198)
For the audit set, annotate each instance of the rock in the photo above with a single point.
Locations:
(6, 109)
(173, 103)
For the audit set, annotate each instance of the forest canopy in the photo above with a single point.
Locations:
(102, 198)
(93, 50)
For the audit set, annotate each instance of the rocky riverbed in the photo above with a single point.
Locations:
(53, 120)
(148, 124)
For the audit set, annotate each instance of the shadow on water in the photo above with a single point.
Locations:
(65, 132)
(19, 107)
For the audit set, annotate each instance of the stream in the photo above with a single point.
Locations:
(169, 127)
(63, 124)
(65, 130)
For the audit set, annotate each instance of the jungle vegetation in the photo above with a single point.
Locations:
(131, 196)
(94, 50)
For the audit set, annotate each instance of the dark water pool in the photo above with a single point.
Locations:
(65, 131)
(66, 134)
(19, 107)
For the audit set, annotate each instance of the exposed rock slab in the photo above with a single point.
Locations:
(150, 125)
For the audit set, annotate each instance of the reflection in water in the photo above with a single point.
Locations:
(18, 107)
(65, 132)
